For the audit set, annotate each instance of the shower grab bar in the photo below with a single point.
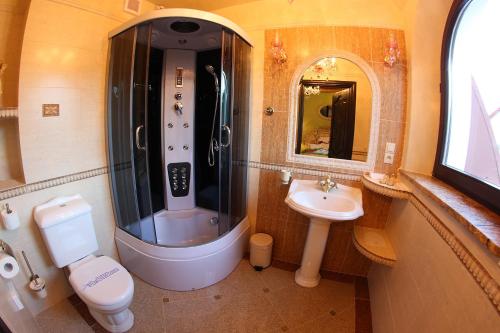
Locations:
(228, 143)
(137, 142)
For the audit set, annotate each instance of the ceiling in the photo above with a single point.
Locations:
(210, 5)
(200, 4)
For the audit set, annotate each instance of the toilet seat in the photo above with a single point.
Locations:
(102, 283)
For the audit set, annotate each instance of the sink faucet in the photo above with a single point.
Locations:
(327, 184)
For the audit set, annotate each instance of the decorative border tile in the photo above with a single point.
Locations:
(303, 171)
(44, 184)
(8, 112)
(482, 222)
(478, 272)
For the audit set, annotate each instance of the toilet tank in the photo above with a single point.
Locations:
(67, 229)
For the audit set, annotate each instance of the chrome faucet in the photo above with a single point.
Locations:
(327, 184)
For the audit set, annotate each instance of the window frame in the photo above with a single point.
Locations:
(472, 187)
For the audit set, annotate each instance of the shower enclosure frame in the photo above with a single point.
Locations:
(180, 268)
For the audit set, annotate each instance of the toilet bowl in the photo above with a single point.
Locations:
(106, 288)
(104, 285)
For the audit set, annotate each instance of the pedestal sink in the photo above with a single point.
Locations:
(323, 208)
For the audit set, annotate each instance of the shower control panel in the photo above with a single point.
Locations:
(179, 178)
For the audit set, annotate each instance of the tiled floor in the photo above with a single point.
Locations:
(246, 301)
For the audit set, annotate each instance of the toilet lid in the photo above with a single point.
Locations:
(102, 281)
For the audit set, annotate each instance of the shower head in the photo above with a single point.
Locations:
(211, 70)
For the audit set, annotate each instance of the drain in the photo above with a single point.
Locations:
(214, 220)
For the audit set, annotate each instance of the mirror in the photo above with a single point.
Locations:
(335, 112)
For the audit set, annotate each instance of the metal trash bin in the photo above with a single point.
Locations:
(261, 248)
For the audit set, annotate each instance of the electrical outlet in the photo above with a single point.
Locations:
(390, 147)
(388, 158)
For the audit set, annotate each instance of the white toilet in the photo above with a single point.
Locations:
(101, 282)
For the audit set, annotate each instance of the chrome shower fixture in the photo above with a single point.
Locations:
(211, 70)
(213, 141)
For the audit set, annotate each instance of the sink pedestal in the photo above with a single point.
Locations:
(308, 273)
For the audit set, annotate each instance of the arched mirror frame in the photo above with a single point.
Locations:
(292, 157)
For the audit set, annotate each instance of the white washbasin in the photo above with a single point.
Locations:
(340, 204)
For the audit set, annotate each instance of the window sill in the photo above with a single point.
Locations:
(483, 223)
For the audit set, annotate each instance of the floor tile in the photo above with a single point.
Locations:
(246, 312)
(297, 305)
(246, 301)
(62, 318)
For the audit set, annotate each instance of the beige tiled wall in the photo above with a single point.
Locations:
(428, 289)
(96, 191)
(63, 61)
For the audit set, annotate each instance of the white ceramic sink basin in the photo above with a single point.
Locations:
(340, 204)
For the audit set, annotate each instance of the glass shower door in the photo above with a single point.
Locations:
(120, 134)
(127, 131)
(235, 94)
(226, 101)
(140, 90)
(239, 129)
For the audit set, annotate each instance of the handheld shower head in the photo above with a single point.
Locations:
(211, 70)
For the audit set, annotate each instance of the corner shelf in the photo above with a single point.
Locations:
(371, 181)
(8, 112)
(374, 244)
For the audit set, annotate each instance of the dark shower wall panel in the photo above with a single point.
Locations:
(156, 178)
(207, 178)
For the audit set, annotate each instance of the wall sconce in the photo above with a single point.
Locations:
(277, 51)
(392, 51)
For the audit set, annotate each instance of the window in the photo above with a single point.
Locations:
(468, 154)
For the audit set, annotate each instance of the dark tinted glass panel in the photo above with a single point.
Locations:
(207, 177)
(154, 130)
(224, 133)
(140, 128)
(119, 132)
(239, 129)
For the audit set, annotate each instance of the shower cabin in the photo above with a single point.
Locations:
(177, 129)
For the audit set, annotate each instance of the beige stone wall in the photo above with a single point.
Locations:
(429, 289)
(424, 32)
